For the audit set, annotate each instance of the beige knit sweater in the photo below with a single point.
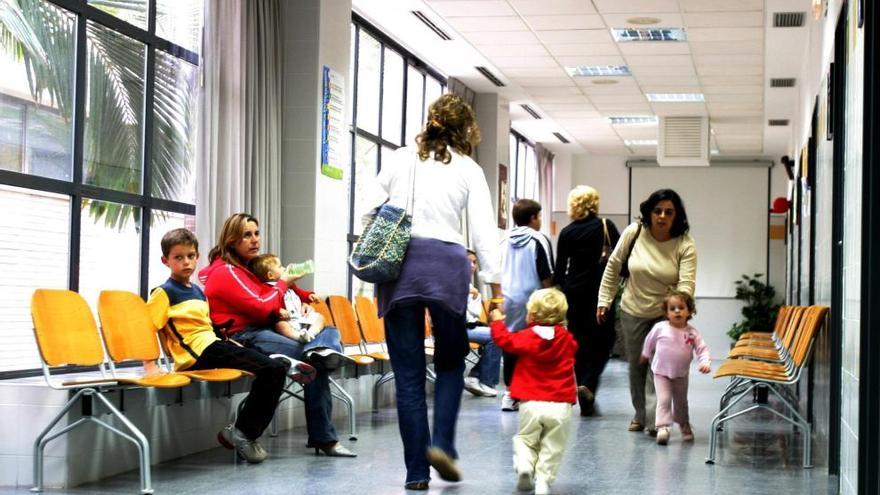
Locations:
(654, 268)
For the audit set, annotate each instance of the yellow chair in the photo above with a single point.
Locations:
(130, 335)
(66, 334)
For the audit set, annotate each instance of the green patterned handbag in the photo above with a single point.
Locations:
(379, 252)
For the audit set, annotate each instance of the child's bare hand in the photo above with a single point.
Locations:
(643, 360)
(313, 298)
(283, 314)
(496, 315)
(704, 368)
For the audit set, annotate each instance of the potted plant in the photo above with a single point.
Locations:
(760, 309)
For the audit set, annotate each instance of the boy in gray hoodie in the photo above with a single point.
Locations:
(528, 266)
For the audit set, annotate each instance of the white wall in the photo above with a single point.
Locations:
(606, 174)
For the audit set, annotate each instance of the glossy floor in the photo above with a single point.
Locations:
(603, 458)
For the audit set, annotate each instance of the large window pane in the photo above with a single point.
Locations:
(36, 92)
(174, 129)
(433, 90)
(109, 254)
(369, 70)
(114, 115)
(351, 61)
(35, 228)
(160, 223)
(366, 153)
(392, 96)
(131, 11)
(180, 22)
(415, 119)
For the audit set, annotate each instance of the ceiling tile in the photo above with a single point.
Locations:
(591, 60)
(570, 21)
(675, 88)
(550, 90)
(750, 47)
(579, 114)
(625, 85)
(639, 72)
(731, 70)
(582, 49)
(668, 80)
(667, 19)
(725, 34)
(528, 62)
(654, 60)
(561, 98)
(725, 19)
(720, 5)
(739, 89)
(575, 36)
(471, 8)
(625, 98)
(652, 48)
(546, 7)
(730, 59)
(487, 24)
(533, 72)
(623, 108)
(732, 80)
(502, 37)
(679, 108)
(637, 131)
(531, 50)
(735, 98)
(527, 82)
(635, 6)
(554, 107)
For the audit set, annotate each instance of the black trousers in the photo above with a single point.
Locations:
(269, 376)
(594, 341)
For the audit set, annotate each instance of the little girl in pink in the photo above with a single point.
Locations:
(673, 344)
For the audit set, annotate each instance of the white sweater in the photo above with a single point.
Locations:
(442, 193)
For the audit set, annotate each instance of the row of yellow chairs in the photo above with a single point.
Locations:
(772, 361)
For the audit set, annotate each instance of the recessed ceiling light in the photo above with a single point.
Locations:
(643, 21)
(597, 70)
(675, 97)
(603, 82)
(634, 120)
(714, 152)
(648, 34)
(640, 142)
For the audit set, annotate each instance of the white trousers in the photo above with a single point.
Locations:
(542, 437)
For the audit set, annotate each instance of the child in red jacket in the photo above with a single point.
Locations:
(544, 383)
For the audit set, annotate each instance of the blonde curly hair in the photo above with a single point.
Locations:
(583, 201)
(451, 122)
(547, 307)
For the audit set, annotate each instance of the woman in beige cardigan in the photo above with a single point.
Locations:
(661, 256)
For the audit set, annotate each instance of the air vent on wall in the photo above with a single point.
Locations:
(777, 122)
(485, 72)
(531, 111)
(785, 82)
(788, 19)
(561, 138)
(684, 141)
(433, 27)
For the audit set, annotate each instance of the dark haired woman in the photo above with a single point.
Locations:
(436, 180)
(660, 256)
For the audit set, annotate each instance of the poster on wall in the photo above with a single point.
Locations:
(503, 196)
(332, 123)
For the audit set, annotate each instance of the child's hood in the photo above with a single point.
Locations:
(206, 272)
(554, 341)
(521, 236)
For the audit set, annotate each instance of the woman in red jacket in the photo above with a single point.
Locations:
(248, 310)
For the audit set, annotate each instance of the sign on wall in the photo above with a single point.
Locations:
(332, 123)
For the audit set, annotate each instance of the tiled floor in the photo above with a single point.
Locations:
(603, 458)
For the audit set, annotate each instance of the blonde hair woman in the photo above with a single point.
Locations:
(441, 180)
(579, 269)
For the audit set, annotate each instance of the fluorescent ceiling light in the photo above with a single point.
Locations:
(640, 142)
(648, 34)
(597, 70)
(637, 120)
(675, 97)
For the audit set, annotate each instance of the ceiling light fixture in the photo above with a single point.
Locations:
(597, 70)
(643, 21)
(633, 120)
(675, 97)
(604, 82)
(640, 142)
(648, 34)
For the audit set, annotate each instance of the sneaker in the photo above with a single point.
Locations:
(328, 359)
(444, 464)
(472, 385)
(542, 487)
(508, 403)
(249, 450)
(663, 435)
(488, 391)
(302, 373)
(524, 482)
(687, 434)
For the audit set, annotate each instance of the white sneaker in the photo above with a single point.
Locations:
(508, 403)
(472, 385)
(542, 487)
(662, 435)
(524, 482)
(488, 391)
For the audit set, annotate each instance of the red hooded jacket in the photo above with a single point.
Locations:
(544, 368)
(237, 295)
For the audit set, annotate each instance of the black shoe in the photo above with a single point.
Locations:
(416, 485)
(328, 359)
(586, 400)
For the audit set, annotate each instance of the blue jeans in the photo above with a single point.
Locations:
(405, 334)
(318, 401)
(488, 368)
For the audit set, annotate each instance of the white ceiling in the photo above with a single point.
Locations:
(731, 53)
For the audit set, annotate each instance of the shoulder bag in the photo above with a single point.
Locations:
(606, 245)
(624, 268)
(379, 252)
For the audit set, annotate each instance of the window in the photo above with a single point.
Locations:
(524, 183)
(391, 95)
(97, 150)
